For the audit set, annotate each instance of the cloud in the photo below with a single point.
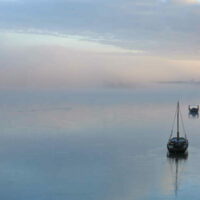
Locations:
(123, 41)
(148, 25)
(10, 0)
(186, 1)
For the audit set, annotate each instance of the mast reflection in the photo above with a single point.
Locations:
(176, 162)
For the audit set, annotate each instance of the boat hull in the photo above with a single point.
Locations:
(176, 145)
(194, 110)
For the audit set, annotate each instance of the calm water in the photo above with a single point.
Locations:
(97, 145)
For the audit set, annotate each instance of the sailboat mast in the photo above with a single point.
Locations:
(178, 120)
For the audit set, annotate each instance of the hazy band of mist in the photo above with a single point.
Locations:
(54, 66)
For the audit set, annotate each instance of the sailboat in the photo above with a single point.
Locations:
(177, 144)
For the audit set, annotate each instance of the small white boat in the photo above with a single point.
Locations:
(193, 110)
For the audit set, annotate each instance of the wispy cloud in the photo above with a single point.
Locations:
(40, 38)
(186, 1)
(81, 43)
(153, 26)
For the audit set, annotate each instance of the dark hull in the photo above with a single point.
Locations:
(177, 150)
(177, 145)
(194, 111)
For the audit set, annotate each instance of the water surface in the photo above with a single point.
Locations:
(96, 144)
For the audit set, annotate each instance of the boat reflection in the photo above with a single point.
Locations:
(176, 162)
(193, 115)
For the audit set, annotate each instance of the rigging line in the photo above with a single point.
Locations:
(173, 124)
(183, 127)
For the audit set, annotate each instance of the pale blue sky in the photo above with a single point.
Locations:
(122, 41)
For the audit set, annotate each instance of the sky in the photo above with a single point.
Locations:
(58, 44)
